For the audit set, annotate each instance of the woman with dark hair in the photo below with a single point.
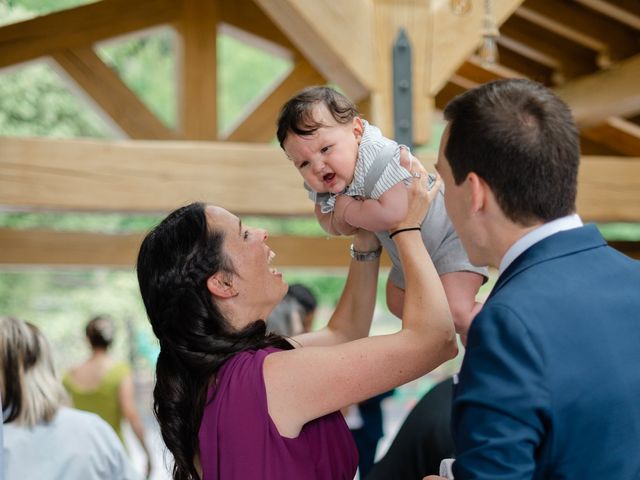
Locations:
(104, 385)
(43, 438)
(234, 402)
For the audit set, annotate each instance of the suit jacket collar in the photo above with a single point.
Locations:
(557, 245)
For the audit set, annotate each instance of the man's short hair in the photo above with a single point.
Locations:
(521, 139)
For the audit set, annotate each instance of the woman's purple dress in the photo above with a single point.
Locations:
(239, 441)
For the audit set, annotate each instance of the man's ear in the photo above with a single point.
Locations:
(477, 192)
(358, 127)
(219, 285)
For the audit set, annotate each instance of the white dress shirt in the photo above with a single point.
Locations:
(534, 236)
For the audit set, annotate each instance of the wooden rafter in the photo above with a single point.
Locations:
(259, 123)
(110, 93)
(569, 58)
(148, 176)
(616, 134)
(590, 147)
(336, 37)
(624, 11)
(456, 36)
(618, 93)
(474, 70)
(79, 27)
(583, 26)
(446, 94)
(245, 15)
(629, 248)
(471, 74)
(198, 70)
(525, 66)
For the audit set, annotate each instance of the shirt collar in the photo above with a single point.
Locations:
(534, 236)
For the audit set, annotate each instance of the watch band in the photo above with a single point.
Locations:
(365, 256)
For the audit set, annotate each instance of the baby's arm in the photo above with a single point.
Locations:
(374, 215)
(331, 224)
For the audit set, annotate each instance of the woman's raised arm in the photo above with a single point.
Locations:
(307, 383)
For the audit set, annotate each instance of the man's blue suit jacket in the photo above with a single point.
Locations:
(550, 383)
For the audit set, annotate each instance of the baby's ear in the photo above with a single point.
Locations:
(358, 127)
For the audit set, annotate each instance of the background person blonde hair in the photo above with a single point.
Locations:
(43, 438)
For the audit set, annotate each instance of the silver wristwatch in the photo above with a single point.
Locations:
(365, 256)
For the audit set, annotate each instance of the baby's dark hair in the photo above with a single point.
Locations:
(297, 114)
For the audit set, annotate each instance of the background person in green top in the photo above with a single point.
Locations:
(103, 385)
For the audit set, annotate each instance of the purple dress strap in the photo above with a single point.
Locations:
(238, 439)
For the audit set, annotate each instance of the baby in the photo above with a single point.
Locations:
(354, 176)
(352, 172)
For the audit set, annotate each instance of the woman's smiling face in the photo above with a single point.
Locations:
(260, 285)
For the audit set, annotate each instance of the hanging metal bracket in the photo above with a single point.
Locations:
(402, 90)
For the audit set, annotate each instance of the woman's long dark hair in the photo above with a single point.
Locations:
(175, 260)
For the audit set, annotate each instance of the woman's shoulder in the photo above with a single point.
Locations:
(120, 368)
(247, 359)
(240, 374)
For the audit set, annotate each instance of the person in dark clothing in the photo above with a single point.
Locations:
(422, 441)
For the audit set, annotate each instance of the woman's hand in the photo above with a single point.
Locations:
(419, 195)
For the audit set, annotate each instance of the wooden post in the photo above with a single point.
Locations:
(198, 70)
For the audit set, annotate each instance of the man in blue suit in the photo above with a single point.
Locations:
(550, 383)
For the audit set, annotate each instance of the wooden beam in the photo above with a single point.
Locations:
(148, 176)
(617, 134)
(198, 70)
(609, 189)
(474, 70)
(336, 37)
(456, 35)
(618, 93)
(572, 60)
(320, 252)
(159, 176)
(414, 17)
(450, 90)
(590, 147)
(84, 249)
(259, 122)
(111, 94)
(525, 66)
(245, 15)
(59, 249)
(623, 11)
(81, 26)
(583, 26)
(629, 248)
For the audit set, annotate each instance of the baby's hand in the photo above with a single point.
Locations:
(337, 221)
